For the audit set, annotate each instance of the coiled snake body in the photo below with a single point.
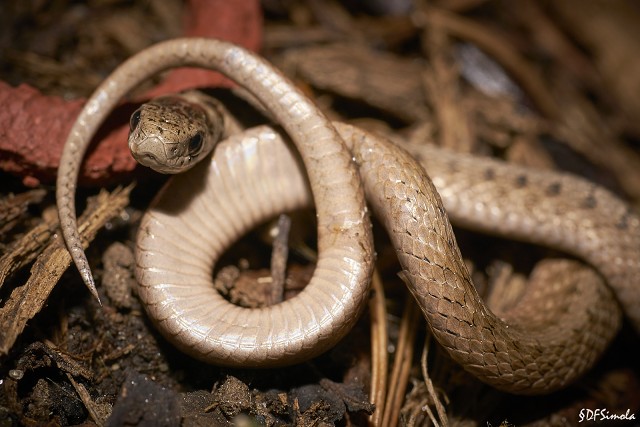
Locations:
(559, 331)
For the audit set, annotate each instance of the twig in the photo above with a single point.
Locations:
(401, 364)
(279, 257)
(379, 355)
(442, 414)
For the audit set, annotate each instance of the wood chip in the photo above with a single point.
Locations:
(13, 207)
(382, 80)
(27, 300)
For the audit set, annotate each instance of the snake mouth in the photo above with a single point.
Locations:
(152, 161)
(149, 152)
(146, 159)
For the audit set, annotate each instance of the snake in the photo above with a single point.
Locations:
(556, 332)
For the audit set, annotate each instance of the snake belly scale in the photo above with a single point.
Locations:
(514, 353)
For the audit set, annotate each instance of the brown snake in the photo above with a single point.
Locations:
(254, 175)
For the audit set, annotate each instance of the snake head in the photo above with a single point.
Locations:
(171, 133)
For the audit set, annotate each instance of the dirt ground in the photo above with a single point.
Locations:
(550, 85)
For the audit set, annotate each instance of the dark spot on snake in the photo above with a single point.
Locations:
(489, 174)
(554, 189)
(135, 119)
(623, 224)
(521, 181)
(590, 202)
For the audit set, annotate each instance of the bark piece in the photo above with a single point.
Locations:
(27, 300)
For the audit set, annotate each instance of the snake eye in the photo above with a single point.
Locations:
(195, 143)
(135, 119)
